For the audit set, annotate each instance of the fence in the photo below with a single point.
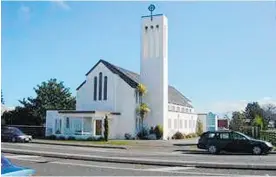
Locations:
(269, 135)
(35, 131)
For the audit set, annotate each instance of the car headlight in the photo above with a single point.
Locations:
(22, 137)
(268, 144)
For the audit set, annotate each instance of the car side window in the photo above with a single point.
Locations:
(211, 135)
(224, 136)
(237, 136)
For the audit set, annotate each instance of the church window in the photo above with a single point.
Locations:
(169, 123)
(182, 109)
(175, 123)
(157, 26)
(178, 109)
(151, 27)
(186, 110)
(190, 124)
(181, 124)
(100, 85)
(185, 123)
(146, 28)
(95, 88)
(105, 87)
(173, 108)
(67, 122)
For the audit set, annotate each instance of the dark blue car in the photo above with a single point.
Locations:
(9, 169)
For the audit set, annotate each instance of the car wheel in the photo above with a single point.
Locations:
(13, 139)
(256, 150)
(213, 149)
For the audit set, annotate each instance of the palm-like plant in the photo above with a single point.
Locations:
(142, 110)
(142, 90)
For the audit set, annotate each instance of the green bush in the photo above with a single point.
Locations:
(71, 138)
(61, 138)
(143, 134)
(51, 137)
(158, 130)
(178, 135)
(269, 135)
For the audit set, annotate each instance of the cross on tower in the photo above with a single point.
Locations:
(151, 9)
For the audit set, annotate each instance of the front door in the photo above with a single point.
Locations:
(98, 128)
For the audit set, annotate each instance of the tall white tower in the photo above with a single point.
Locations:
(154, 68)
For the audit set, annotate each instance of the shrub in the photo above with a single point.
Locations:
(158, 130)
(128, 136)
(71, 138)
(151, 130)
(143, 134)
(189, 136)
(61, 138)
(90, 138)
(51, 137)
(106, 128)
(178, 135)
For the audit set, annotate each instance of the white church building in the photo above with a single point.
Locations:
(111, 90)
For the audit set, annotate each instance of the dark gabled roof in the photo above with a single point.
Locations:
(133, 79)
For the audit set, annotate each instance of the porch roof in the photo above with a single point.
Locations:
(87, 112)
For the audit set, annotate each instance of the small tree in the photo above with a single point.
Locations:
(258, 121)
(199, 127)
(142, 110)
(106, 128)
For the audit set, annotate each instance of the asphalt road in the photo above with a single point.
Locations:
(63, 167)
(173, 155)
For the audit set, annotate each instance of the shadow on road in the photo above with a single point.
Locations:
(207, 153)
(186, 144)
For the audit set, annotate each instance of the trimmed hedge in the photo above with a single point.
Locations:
(269, 135)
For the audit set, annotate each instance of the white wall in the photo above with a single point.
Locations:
(51, 115)
(203, 119)
(181, 121)
(85, 95)
(120, 98)
(154, 69)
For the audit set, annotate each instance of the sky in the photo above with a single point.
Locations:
(221, 55)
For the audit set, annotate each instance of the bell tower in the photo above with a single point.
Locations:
(154, 68)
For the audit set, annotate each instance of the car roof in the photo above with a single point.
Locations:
(221, 131)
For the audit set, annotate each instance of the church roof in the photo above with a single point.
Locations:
(133, 79)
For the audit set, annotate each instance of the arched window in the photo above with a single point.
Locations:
(105, 87)
(67, 122)
(100, 85)
(95, 88)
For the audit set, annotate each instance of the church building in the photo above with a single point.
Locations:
(109, 90)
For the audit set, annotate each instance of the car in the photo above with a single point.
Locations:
(232, 141)
(14, 134)
(10, 169)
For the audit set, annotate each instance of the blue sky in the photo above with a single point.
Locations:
(221, 54)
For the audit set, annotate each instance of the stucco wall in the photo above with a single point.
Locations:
(182, 122)
(120, 98)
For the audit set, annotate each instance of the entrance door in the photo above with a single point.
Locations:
(98, 130)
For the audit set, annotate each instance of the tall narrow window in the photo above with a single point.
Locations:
(105, 87)
(67, 122)
(100, 85)
(95, 88)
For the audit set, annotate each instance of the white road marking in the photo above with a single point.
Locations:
(171, 169)
(21, 156)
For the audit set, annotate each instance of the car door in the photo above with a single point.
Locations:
(242, 144)
(225, 141)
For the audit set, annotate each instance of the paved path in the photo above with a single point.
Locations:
(63, 167)
(173, 155)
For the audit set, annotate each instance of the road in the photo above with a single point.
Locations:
(64, 167)
(176, 154)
